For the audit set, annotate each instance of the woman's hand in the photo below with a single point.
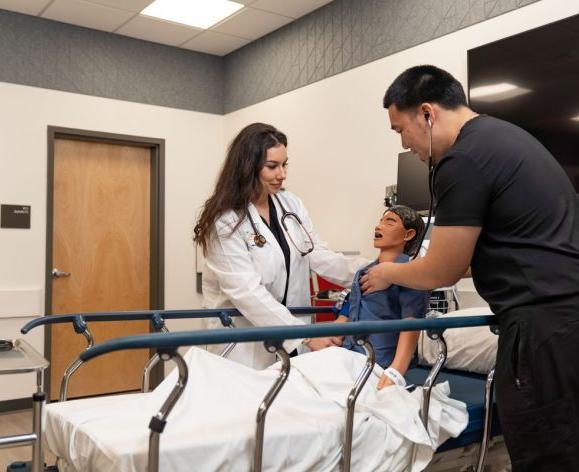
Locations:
(317, 344)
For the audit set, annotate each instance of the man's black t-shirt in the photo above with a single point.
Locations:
(499, 177)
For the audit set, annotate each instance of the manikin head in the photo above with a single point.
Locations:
(399, 230)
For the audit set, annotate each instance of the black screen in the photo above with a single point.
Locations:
(412, 184)
(545, 62)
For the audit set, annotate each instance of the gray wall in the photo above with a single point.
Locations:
(342, 35)
(58, 56)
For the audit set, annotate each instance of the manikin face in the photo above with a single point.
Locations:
(413, 130)
(274, 171)
(390, 233)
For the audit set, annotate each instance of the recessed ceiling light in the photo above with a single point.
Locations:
(575, 118)
(497, 92)
(198, 13)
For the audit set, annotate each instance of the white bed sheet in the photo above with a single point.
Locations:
(212, 427)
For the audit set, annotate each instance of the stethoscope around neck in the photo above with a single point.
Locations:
(259, 239)
(431, 171)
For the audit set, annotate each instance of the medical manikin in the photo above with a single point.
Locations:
(397, 236)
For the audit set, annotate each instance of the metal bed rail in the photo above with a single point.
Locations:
(157, 319)
(273, 338)
(281, 333)
(150, 314)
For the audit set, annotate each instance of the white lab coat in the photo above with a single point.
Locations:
(239, 274)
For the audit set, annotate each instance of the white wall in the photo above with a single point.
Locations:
(342, 152)
(194, 146)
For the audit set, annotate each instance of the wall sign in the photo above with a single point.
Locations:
(15, 216)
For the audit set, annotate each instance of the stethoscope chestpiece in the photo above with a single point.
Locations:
(259, 240)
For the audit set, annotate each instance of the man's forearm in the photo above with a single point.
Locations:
(418, 274)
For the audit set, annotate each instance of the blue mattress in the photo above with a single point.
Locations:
(470, 389)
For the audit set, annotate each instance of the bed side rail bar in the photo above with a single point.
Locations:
(150, 314)
(158, 422)
(280, 333)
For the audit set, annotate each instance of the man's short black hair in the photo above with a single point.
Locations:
(410, 220)
(422, 84)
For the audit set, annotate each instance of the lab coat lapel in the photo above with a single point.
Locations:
(264, 229)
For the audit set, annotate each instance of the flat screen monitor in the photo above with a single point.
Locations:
(412, 184)
(532, 80)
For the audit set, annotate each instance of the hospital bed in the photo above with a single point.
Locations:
(166, 344)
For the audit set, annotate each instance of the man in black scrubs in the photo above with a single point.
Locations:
(505, 208)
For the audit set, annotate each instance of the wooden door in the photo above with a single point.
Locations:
(101, 236)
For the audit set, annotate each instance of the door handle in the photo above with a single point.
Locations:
(56, 273)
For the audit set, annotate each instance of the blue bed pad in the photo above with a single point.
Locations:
(470, 389)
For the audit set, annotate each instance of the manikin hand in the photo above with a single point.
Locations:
(384, 382)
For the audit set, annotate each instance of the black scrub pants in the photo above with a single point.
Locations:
(537, 385)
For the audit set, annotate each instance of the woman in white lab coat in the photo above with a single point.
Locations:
(253, 262)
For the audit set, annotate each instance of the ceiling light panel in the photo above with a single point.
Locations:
(198, 13)
(158, 31)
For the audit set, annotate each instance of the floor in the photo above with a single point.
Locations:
(458, 460)
(19, 422)
(452, 461)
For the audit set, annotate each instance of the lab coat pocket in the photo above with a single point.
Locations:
(267, 264)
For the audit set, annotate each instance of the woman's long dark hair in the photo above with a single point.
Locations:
(238, 182)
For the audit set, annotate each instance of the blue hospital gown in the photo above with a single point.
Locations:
(394, 303)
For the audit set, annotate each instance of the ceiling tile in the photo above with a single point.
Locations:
(293, 8)
(135, 6)
(158, 31)
(30, 7)
(216, 43)
(90, 15)
(251, 24)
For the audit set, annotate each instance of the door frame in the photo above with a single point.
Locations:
(157, 218)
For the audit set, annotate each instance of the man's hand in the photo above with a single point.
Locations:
(384, 381)
(317, 344)
(376, 278)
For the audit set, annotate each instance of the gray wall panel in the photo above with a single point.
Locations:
(58, 56)
(342, 35)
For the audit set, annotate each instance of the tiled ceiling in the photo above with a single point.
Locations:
(256, 19)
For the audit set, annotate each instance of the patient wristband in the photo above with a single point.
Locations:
(395, 376)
